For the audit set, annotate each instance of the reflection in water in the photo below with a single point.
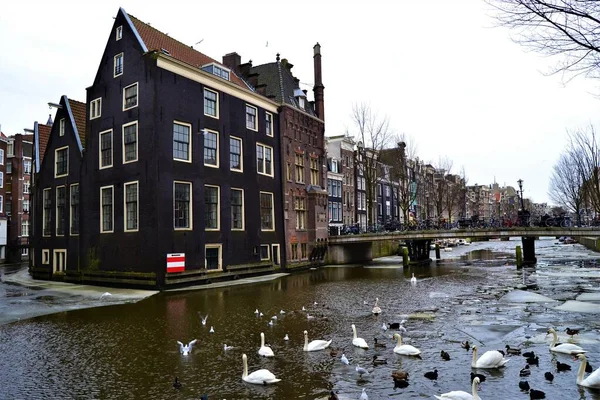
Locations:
(131, 351)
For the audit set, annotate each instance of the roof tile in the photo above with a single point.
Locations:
(79, 110)
(44, 136)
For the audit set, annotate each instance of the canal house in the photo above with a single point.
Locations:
(175, 171)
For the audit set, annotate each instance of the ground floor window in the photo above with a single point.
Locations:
(45, 256)
(212, 257)
(24, 251)
(60, 260)
(294, 255)
(264, 252)
(303, 250)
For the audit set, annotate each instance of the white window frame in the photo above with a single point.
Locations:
(112, 153)
(264, 160)
(137, 202)
(137, 96)
(26, 205)
(25, 228)
(44, 227)
(55, 258)
(268, 247)
(96, 108)
(56, 166)
(203, 158)
(61, 127)
(45, 256)
(10, 148)
(214, 246)
(189, 126)
(218, 228)
(272, 211)
(26, 169)
(115, 64)
(255, 128)
(243, 228)
(71, 209)
(1, 203)
(271, 130)
(1, 179)
(137, 141)
(119, 32)
(113, 209)
(191, 213)
(1, 156)
(216, 116)
(241, 169)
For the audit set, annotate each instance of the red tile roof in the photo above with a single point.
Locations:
(44, 136)
(156, 40)
(79, 114)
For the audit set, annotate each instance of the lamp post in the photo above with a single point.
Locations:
(520, 182)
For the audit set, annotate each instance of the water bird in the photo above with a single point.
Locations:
(358, 342)
(384, 327)
(400, 383)
(572, 332)
(593, 380)
(562, 366)
(265, 351)
(104, 295)
(186, 349)
(203, 397)
(256, 312)
(365, 303)
(501, 352)
(533, 360)
(378, 344)
(588, 368)
(203, 319)
(315, 345)
(529, 354)
(308, 316)
(212, 330)
(303, 308)
(379, 360)
(364, 395)
(480, 376)
(400, 374)
(549, 376)
(433, 375)
(445, 356)
(524, 385)
(465, 345)
(526, 371)
(344, 359)
(413, 279)
(376, 309)
(274, 317)
(536, 394)
(334, 352)
(281, 312)
(461, 395)
(566, 348)
(177, 384)
(259, 377)
(361, 371)
(315, 304)
(489, 359)
(225, 347)
(286, 337)
(333, 396)
(405, 349)
(260, 314)
(270, 323)
(513, 351)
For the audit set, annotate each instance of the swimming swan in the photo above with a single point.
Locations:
(489, 359)
(260, 377)
(405, 349)
(315, 344)
(376, 309)
(593, 380)
(413, 279)
(358, 342)
(185, 350)
(566, 348)
(460, 395)
(265, 351)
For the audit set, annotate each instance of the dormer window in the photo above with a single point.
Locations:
(300, 97)
(217, 70)
(119, 32)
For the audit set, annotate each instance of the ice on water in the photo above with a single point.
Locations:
(589, 297)
(522, 296)
(579, 306)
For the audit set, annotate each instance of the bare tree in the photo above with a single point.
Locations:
(584, 153)
(455, 195)
(373, 134)
(566, 28)
(441, 185)
(567, 184)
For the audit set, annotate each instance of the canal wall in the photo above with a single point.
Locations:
(592, 243)
(359, 252)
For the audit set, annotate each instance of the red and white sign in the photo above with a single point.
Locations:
(175, 262)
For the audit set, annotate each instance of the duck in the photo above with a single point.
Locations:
(358, 342)
(524, 386)
(286, 337)
(397, 374)
(259, 377)
(333, 396)
(384, 327)
(265, 351)
(526, 371)
(445, 356)
(489, 359)
(461, 395)
(572, 332)
(405, 349)
(186, 349)
(344, 359)
(270, 323)
(361, 371)
(177, 384)
(281, 312)
(400, 383)
(334, 352)
(529, 354)
(433, 375)
(274, 317)
(593, 380)
(379, 360)
(382, 345)
(212, 330)
(513, 351)
(413, 279)
(256, 312)
(562, 366)
(566, 348)
(549, 376)
(533, 360)
(364, 395)
(465, 345)
(536, 394)
(376, 309)
(480, 376)
(315, 345)
(225, 347)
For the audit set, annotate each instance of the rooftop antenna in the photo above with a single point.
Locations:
(201, 40)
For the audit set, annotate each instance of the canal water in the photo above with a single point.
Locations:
(130, 351)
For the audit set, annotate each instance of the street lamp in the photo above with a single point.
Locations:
(520, 182)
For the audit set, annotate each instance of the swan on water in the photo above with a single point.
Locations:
(203, 318)
(286, 337)
(259, 377)
(315, 344)
(489, 359)
(413, 279)
(186, 349)
(358, 342)
(566, 348)
(460, 395)
(105, 294)
(376, 308)
(593, 380)
(265, 351)
(405, 349)
(364, 395)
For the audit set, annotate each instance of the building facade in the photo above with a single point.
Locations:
(3, 216)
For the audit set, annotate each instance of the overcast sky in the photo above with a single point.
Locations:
(438, 69)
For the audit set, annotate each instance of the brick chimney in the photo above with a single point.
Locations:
(318, 89)
(232, 61)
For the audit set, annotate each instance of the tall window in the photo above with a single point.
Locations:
(131, 206)
(264, 159)
(1, 156)
(211, 148)
(269, 124)
(47, 224)
(61, 127)
(27, 166)
(62, 162)
(182, 210)
(130, 142)
(235, 154)
(211, 103)
(119, 32)
(251, 117)
(314, 171)
(96, 108)
(74, 209)
(1, 203)
(106, 206)
(118, 68)
(130, 96)
(212, 254)
(25, 205)
(211, 207)
(61, 198)
(1, 179)
(267, 213)
(106, 152)
(237, 209)
(10, 148)
(25, 228)
(299, 168)
(181, 142)
(288, 171)
(300, 207)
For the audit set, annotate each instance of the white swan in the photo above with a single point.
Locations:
(405, 349)
(376, 308)
(265, 351)
(460, 395)
(315, 344)
(186, 349)
(225, 347)
(203, 318)
(358, 342)
(593, 380)
(566, 348)
(364, 395)
(260, 377)
(212, 330)
(286, 337)
(413, 279)
(489, 359)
